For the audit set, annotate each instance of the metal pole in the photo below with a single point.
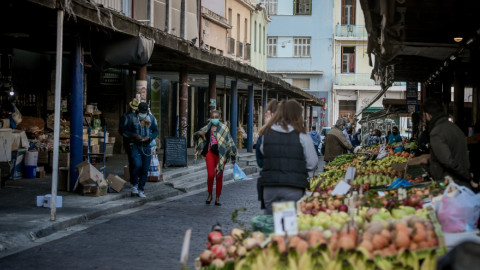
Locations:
(76, 121)
(250, 119)
(233, 110)
(183, 103)
(212, 92)
(264, 104)
(56, 129)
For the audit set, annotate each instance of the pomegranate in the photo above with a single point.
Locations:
(206, 257)
(215, 237)
(228, 241)
(343, 208)
(219, 251)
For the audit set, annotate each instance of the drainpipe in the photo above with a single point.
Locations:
(200, 37)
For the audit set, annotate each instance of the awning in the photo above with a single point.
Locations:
(372, 109)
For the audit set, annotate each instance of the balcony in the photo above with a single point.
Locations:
(247, 51)
(358, 79)
(240, 49)
(231, 46)
(351, 31)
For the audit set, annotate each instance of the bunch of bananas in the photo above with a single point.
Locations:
(329, 178)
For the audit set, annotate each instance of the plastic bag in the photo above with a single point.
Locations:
(238, 174)
(459, 213)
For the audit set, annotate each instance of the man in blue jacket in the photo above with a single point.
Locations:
(142, 129)
(394, 137)
(315, 138)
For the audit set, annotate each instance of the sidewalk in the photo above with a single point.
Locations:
(21, 221)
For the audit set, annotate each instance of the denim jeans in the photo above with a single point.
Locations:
(141, 157)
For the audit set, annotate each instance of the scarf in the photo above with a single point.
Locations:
(226, 146)
(431, 124)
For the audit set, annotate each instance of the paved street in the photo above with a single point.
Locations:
(147, 239)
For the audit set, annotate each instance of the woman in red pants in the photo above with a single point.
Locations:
(215, 143)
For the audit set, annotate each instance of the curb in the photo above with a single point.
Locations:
(16, 242)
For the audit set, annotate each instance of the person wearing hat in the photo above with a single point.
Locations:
(132, 107)
(335, 142)
(141, 129)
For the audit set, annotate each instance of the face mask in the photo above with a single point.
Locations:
(343, 128)
(394, 133)
(370, 133)
(142, 115)
(215, 121)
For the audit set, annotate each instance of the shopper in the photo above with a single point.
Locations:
(132, 107)
(335, 142)
(448, 146)
(376, 138)
(394, 137)
(287, 154)
(270, 111)
(315, 138)
(358, 137)
(345, 128)
(141, 129)
(366, 138)
(216, 145)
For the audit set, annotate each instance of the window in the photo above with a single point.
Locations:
(301, 47)
(347, 105)
(255, 38)
(348, 59)
(302, 7)
(264, 40)
(271, 5)
(301, 83)
(260, 38)
(246, 31)
(348, 12)
(272, 46)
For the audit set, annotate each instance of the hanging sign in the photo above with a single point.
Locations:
(412, 97)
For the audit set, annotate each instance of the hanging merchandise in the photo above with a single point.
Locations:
(154, 170)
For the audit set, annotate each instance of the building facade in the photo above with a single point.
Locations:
(238, 37)
(299, 48)
(258, 49)
(214, 26)
(353, 88)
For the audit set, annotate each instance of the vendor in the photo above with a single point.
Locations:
(448, 147)
(394, 137)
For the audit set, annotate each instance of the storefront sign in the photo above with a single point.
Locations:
(412, 97)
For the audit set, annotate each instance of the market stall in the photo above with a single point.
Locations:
(373, 209)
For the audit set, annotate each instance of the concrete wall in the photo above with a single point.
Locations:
(214, 35)
(318, 26)
(259, 55)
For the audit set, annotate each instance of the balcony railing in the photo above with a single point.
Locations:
(358, 79)
(231, 45)
(113, 4)
(239, 49)
(351, 31)
(247, 51)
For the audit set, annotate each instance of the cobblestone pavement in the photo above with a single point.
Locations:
(147, 239)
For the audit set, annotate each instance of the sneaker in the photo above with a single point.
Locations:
(141, 194)
(134, 191)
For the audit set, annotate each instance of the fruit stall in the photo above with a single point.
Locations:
(387, 217)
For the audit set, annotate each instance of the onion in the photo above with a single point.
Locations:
(232, 251)
(206, 257)
(218, 263)
(249, 243)
(241, 251)
(237, 233)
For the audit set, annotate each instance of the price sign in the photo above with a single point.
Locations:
(285, 218)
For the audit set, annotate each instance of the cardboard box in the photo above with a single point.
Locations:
(19, 138)
(88, 174)
(42, 157)
(63, 159)
(63, 176)
(45, 201)
(41, 174)
(5, 144)
(126, 173)
(96, 190)
(115, 182)
(95, 148)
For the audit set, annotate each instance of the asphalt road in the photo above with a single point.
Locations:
(146, 239)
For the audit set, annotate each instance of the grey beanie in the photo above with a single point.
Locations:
(340, 122)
